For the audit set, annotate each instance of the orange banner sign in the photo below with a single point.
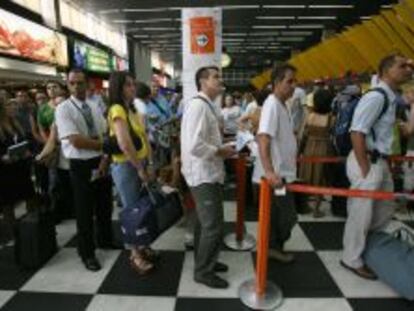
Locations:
(202, 35)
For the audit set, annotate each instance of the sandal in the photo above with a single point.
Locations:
(141, 265)
(150, 254)
(363, 272)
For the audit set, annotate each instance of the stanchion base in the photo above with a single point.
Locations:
(246, 244)
(271, 299)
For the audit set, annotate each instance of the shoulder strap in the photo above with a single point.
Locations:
(383, 109)
(386, 100)
(160, 109)
(208, 104)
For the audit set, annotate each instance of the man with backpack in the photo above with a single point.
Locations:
(372, 136)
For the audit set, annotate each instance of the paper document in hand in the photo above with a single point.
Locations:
(242, 139)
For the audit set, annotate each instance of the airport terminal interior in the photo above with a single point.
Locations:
(183, 155)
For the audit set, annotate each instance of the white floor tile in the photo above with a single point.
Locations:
(297, 242)
(5, 296)
(230, 211)
(65, 273)
(351, 285)
(65, 232)
(240, 269)
(319, 304)
(130, 303)
(173, 239)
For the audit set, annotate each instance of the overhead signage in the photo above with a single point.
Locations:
(23, 38)
(88, 57)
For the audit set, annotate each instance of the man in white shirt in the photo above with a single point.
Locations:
(367, 168)
(277, 161)
(80, 127)
(202, 157)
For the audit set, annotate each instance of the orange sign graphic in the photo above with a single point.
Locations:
(202, 35)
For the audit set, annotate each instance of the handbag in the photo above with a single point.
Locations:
(155, 213)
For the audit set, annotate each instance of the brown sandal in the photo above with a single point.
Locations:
(150, 254)
(141, 265)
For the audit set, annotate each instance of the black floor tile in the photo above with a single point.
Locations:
(12, 277)
(307, 277)
(117, 236)
(163, 281)
(24, 301)
(381, 304)
(229, 194)
(324, 235)
(410, 223)
(206, 304)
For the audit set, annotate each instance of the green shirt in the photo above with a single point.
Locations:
(45, 116)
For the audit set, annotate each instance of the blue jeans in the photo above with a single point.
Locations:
(127, 183)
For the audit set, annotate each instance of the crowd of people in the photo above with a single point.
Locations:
(79, 146)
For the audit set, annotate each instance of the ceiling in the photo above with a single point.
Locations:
(254, 32)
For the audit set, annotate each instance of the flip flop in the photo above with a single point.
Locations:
(366, 274)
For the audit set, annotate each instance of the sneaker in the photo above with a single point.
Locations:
(281, 256)
(212, 281)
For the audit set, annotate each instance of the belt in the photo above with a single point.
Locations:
(375, 155)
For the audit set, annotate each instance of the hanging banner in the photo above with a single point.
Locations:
(23, 38)
(202, 33)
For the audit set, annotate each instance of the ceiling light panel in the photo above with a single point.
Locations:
(269, 27)
(239, 7)
(270, 34)
(275, 17)
(153, 20)
(333, 6)
(159, 28)
(310, 26)
(296, 33)
(290, 39)
(317, 17)
(144, 10)
(277, 6)
(235, 34)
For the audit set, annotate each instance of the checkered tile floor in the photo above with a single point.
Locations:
(314, 282)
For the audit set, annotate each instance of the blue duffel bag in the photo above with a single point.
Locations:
(391, 257)
(154, 214)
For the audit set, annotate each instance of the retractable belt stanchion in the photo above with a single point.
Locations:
(240, 240)
(355, 193)
(260, 294)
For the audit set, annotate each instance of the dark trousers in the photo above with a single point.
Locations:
(61, 193)
(91, 198)
(283, 218)
(208, 228)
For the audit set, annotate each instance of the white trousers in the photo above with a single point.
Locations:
(365, 215)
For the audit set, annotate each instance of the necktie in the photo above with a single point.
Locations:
(87, 113)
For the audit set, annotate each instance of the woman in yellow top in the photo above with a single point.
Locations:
(129, 168)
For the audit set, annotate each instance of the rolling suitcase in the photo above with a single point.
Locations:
(35, 240)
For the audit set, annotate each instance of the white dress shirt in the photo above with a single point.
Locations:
(70, 121)
(200, 140)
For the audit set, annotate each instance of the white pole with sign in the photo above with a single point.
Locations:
(202, 33)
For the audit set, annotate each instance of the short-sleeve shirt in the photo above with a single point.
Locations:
(118, 112)
(276, 122)
(70, 121)
(365, 119)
